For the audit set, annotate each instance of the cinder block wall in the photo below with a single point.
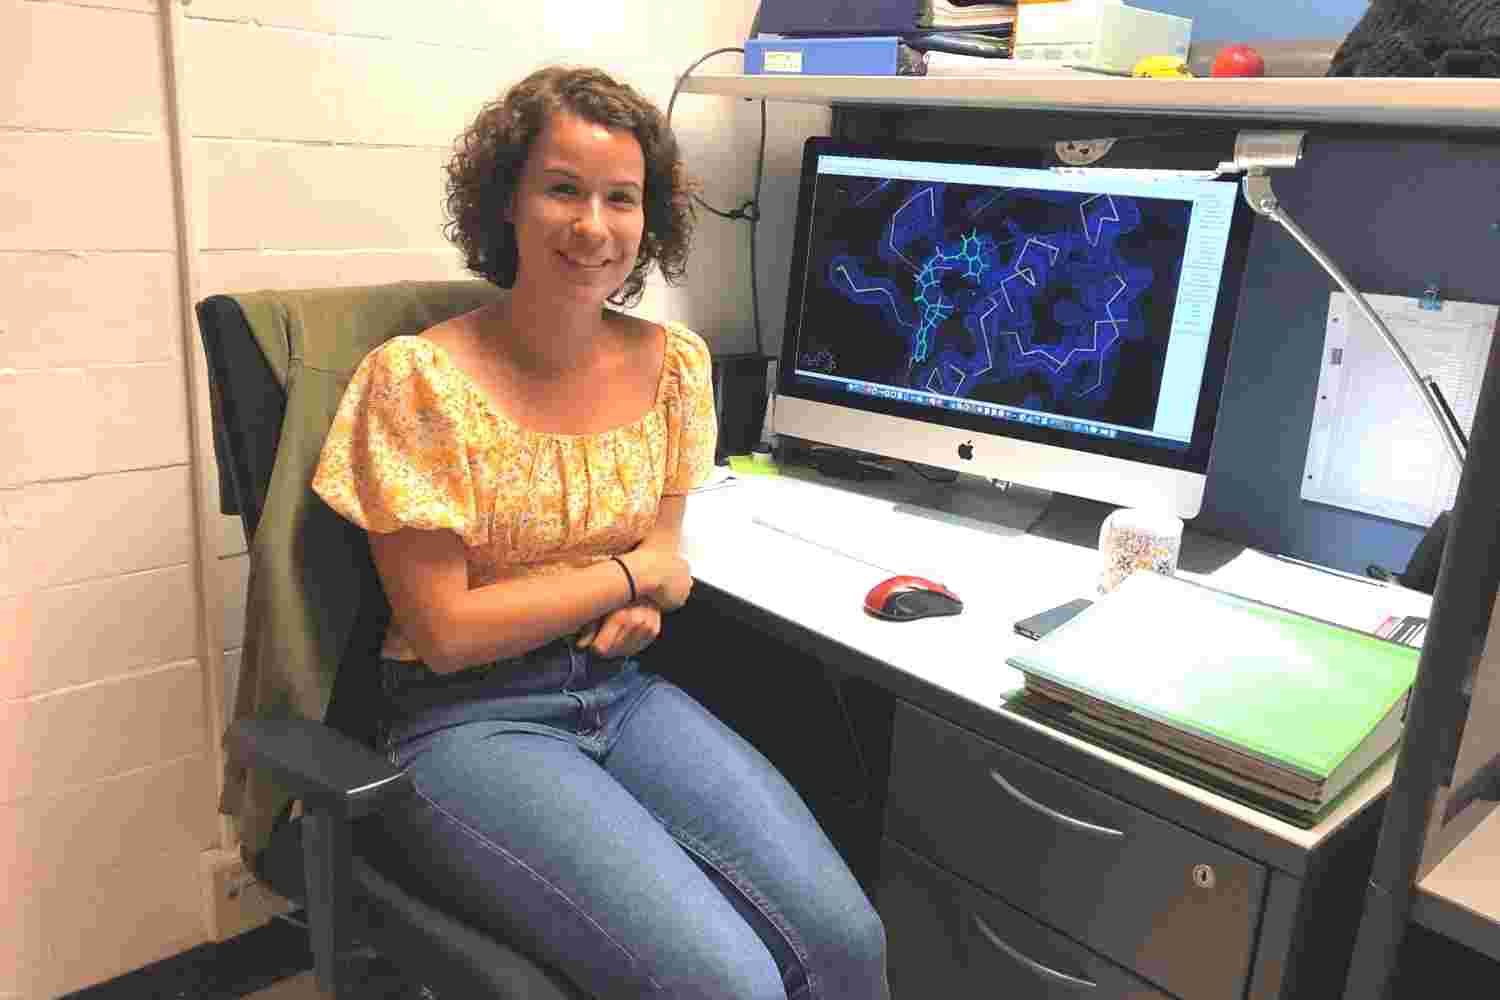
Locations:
(314, 137)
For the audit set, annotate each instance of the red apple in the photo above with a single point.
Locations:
(1238, 60)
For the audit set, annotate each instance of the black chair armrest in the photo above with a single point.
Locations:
(324, 768)
(338, 780)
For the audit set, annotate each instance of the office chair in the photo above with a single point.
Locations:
(329, 765)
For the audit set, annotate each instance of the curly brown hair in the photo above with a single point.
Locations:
(488, 158)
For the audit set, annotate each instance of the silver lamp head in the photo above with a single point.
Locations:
(1257, 151)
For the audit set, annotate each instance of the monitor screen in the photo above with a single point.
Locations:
(980, 310)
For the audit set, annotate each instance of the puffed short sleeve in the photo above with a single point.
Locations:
(692, 426)
(395, 456)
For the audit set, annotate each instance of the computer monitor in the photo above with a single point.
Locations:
(979, 310)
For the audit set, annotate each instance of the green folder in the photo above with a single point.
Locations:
(1270, 688)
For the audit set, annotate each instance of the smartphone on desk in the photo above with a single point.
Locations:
(1040, 624)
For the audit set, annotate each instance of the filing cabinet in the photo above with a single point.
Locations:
(1011, 863)
(1039, 850)
(948, 939)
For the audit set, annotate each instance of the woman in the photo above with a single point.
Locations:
(522, 471)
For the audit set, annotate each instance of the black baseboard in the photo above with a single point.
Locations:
(248, 963)
(225, 971)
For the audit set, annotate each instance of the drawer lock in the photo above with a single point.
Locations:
(1203, 876)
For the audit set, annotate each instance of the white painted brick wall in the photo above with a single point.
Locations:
(234, 578)
(84, 191)
(96, 527)
(48, 47)
(317, 133)
(330, 88)
(80, 735)
(295, 196)
(68, 309)
(82, 632)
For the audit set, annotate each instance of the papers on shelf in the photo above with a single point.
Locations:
(950, 16)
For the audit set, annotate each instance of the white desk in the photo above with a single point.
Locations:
(955, 667)
(1001, 581)
(914, 107)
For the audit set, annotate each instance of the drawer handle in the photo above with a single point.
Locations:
(1031, 963)
(1053, 814)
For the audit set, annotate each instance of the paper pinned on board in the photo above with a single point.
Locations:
(1373, 447)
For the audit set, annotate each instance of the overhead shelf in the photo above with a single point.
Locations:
(1428, 103)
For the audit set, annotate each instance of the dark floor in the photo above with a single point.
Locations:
(271, 963)
(268, 963)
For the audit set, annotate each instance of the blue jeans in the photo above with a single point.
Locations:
(604, 821)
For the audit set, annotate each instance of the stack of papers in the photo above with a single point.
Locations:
(965, 15)
(1273, 708)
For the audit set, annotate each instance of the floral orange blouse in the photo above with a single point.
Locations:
(416, 444)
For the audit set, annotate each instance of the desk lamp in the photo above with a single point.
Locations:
(1256, 154)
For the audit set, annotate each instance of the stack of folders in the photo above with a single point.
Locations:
(965, 15)
(1275, 709)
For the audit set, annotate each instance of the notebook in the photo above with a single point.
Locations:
(1277, 697)
(1260, 795)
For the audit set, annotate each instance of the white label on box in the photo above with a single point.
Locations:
(783, 61)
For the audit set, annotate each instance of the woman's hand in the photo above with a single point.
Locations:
(623, 632)
(661, 576)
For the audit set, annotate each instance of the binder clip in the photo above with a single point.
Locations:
(1432, 298)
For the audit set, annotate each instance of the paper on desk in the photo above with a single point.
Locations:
(873, 532)
(1373, 447)
(719, 475)
(1342, 598)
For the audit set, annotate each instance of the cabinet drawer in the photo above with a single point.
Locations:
(947, 939)
(1164, 902)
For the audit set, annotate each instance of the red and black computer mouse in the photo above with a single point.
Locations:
(907, 598)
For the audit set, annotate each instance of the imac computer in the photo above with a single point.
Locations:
(980, 311)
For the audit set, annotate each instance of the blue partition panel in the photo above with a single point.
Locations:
(1395, 212)
(1278, 19)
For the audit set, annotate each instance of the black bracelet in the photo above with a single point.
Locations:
(629, 578)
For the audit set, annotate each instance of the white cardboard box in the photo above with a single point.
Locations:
(1101, 34)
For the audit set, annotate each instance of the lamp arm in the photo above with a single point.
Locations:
(1261, 198)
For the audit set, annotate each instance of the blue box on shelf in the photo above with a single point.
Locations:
(865, 55)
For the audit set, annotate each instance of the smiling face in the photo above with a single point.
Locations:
(578, 209)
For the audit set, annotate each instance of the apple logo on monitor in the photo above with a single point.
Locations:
(966, 450)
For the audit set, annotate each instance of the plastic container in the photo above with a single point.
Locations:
(1132, 539)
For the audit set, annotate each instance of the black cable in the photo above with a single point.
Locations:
(750, 210)
(760, 164)
(736, 213)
